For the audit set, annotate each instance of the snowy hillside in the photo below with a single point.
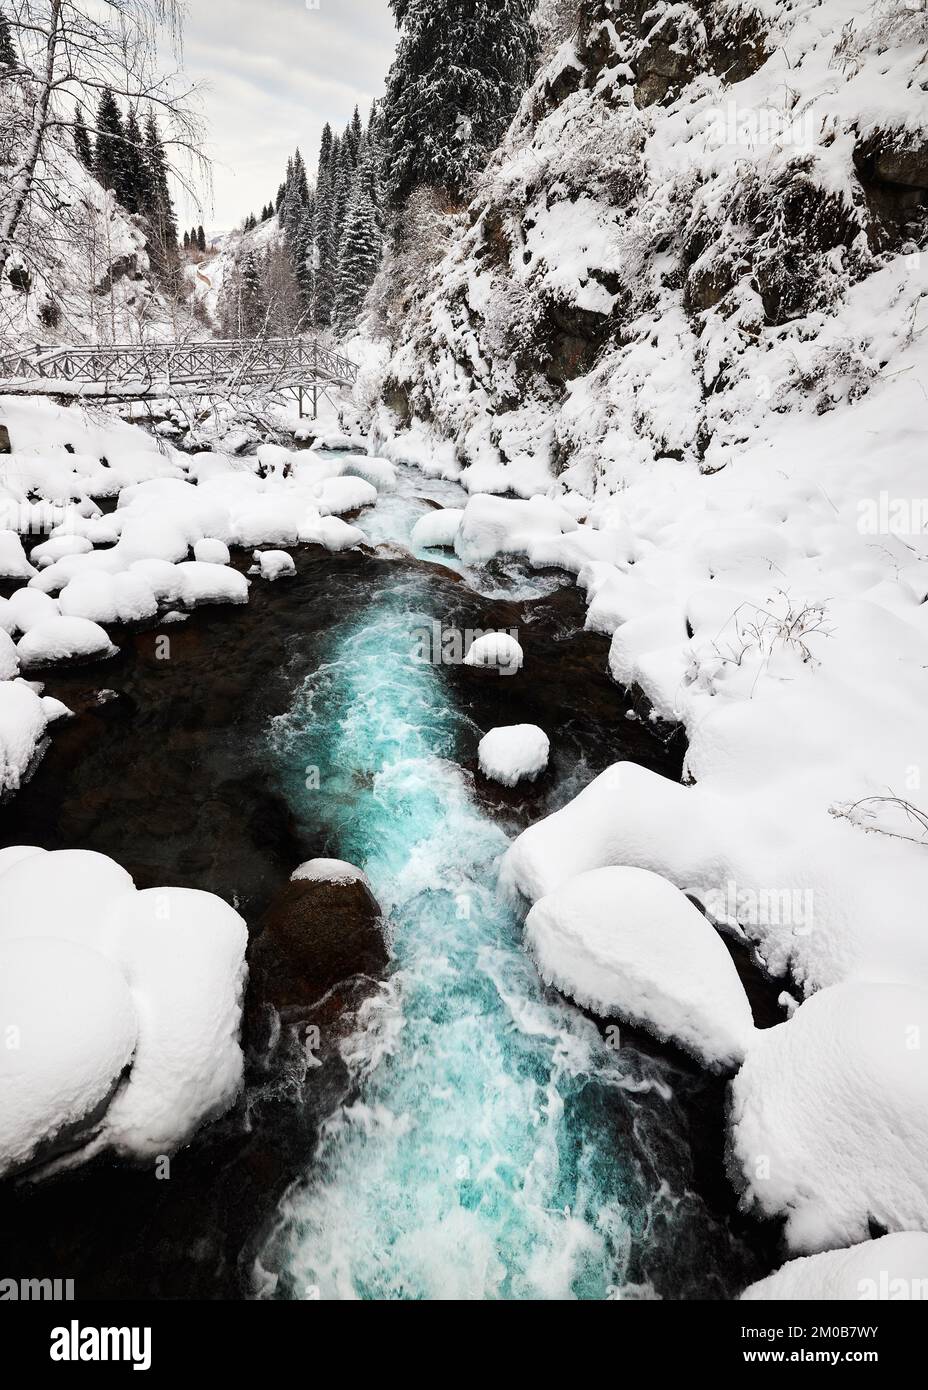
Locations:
(82, 272)
(657, 264)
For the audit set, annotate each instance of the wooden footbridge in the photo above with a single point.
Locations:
(149, 371)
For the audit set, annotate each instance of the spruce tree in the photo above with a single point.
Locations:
(82, 146)
(157, 207)
(359, 257)
(460, 70)
(201, 238)
(8, 58)
(186, 241)
(110, 164)
(133, 165)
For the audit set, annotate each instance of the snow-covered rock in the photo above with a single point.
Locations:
(27, 608)
(830, 1116)
(344, 494)
(102, 979)
(57, 547)
(893, 1267)
(9, 659)
(437, 528)
(13, 561)
(628, 944)
(497, 650)
(380, 473)
(23, 721)
(203, 583)
(64, 639)
(494, 526)
(331, 532)
(108, 598)
(328, 871)
(70, 1030)
(513, 753)
(211, 551)
(273, 564)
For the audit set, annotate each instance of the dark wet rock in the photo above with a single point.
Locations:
(5, 445)
(314, 936)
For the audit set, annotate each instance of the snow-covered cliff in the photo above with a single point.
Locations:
(659, 261)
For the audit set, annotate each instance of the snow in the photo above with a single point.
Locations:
(203, 583)
(27, 608)
(49, 551)
(829, 1120)
(70, 1028)
(494, 526)
(498, 650)
(273, 564)
(331, 532)
(628, 944)
(328, 871)
(380, 473)
(513, 753)
(23, 721)
(892, 1267)
(103, 975)
(64, 639)
(437, 528)
(9, 659)
(13, 561)
(211, 551)
(108, 598)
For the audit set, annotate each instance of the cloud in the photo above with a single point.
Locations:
(272, 72)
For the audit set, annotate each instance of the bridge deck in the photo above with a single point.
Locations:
(128, 371)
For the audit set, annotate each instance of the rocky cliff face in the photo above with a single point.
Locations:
(660, 256)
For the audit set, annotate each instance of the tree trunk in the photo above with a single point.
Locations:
(21, 182)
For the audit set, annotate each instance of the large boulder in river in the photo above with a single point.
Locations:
(323, 928)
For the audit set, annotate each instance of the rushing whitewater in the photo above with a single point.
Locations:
(498, 1147)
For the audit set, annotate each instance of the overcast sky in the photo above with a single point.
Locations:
(275, 71)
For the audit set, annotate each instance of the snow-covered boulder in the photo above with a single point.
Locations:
(165, 580)
(211, 551)
(58, 547)
(9, 660)
(380, 473)
(108, 598)
(27, 608)
(331, 532)
(328, 871)
(335, 496)
(494, 526)
(437, 528)
(23, 721)
(497, 650)
(628, 944)
(273, 459)
(64, 639)
(204, 583)
(70, 1029)
(13, 561)
(273, 564)
(265, 519)
(829, 1122)
(155, 979)
(513, 753)
(892, 1267)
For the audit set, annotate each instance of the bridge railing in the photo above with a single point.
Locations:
(215, 361)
